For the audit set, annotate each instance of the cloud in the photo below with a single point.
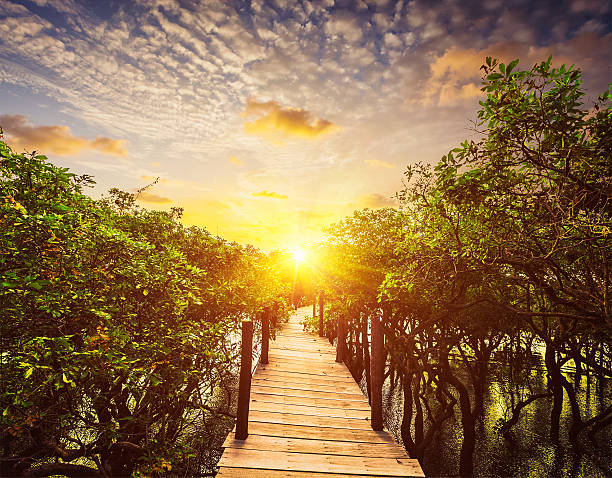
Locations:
(270, 194)
(392, 41)
(454, 75)
(276, 122)
(376, 201)
(146, 196)
(171, 75)
(114, 147)
(346, 24)
(151, 179)
(21, 134)
(377, 163)
(234, 160)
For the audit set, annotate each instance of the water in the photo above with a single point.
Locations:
(530, 453)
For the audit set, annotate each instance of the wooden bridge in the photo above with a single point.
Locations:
(308, 417)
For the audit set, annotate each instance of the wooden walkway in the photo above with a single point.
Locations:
(308, 417)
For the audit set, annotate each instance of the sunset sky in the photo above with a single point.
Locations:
(266, 120)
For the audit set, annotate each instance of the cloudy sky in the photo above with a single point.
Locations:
(264, 119)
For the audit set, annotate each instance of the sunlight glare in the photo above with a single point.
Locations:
(298, 254)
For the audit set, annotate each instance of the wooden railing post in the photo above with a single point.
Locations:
(244, 386)
(321, 308)
(341, 343)
(377, 368)
(314, 306)
(265, 335)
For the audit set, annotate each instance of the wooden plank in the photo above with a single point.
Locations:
(254, 473)
(292, 328)
(327, 447)
(300, 369)
(313, 392)
(301, 337)
(311, 384)
(277, 357)
(306, 410)
(278, 388)
(290, 352)
(271, 385)
(297, 341)
(295, 377)
(319, 433)
(287, 353)
(277, 460)
(296, 345)
(287, 379)
(302, 354)
(327, 402)
(306, 365)
(293, 349)
(309, 420)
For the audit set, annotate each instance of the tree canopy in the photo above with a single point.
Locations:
(119, 327)
(501, 248)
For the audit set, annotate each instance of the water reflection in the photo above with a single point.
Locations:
(527, 451)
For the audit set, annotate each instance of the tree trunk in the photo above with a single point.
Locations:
(556, 387)
(578, 372)
(366, 356)
(418, 419)
(466, 455)
(577, 423)
(358, 362)
(406, 427)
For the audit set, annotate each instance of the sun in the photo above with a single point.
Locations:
(299, 254)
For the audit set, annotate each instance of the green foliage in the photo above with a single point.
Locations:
(502, 246)
(117, 324)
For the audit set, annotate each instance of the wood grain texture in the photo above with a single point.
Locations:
(291, 379)
(314, 392)
(319, 462)
(319, 432)
(328, 447)
(309, 420)
(309, 410)
(255, 473)
(308, 417)
(323, 402)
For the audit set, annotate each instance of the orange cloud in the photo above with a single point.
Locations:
(109, 146)
(376, 201)
(455, 75)
(151, 179)
(270, 194)
(377, 163)
(146, 196)
(276, 122)
(235, 160)
(21, 134)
